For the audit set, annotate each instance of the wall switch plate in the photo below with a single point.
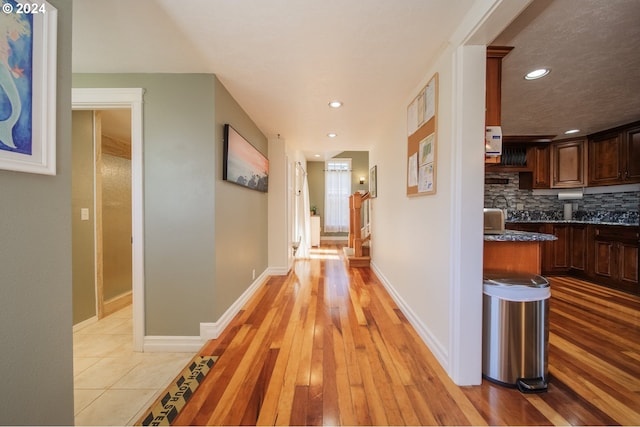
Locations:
(253, 274)
(84, 214)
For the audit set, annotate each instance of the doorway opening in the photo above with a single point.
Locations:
(106, 103)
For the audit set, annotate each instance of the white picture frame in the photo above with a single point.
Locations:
(40, 157)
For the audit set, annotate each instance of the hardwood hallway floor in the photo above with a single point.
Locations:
(327, 345)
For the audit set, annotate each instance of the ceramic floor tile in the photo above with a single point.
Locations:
(84, 397)
(143, 411)
(124, 313)
(109, 326)
(80, 364)
(89, 345)
(105, 373)
(114, 407)
(113, 385)
(152, 375)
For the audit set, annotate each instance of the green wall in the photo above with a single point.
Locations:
(35, 271)
(203, 236)
(179, 173)
(315, 177)
(241, 214)
(83, 232)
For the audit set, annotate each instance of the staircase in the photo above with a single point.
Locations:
(357, 253)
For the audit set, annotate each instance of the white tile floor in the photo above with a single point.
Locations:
(113, 385)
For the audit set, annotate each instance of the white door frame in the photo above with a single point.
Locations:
(104, 99)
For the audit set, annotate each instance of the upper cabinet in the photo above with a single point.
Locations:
(524, 153)
(494, 83)
(541, 175)
(614, 156)
(632, 154)
(568, 160)
(610, 157)
(493, 94)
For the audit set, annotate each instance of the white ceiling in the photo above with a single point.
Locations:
(284, 60)
(593, 50)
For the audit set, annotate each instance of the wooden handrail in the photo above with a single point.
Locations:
(355, 226)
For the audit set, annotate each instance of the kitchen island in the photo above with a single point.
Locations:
(514, 251)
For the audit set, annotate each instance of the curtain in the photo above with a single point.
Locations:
(337, 191)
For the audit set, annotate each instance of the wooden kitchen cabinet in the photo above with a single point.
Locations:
(556, 257)
(578, 248)
(615, 257)
(527, 154)
(539, 161)
(531, 227)
(614, 156)
(603, 254)
(568, 160)
(632, 154)
(494, 83)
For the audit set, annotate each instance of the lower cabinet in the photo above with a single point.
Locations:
(578, 248)
(615, 257)
(556, 255)
(604, 254)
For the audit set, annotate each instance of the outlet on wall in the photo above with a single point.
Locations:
(520, 206)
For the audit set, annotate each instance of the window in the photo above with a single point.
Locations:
(337, 190)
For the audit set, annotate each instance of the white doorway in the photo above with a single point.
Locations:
(131, 99)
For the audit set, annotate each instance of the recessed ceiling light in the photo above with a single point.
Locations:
(335, 104)
(536, 74)
(570, 131)
(332, 135)
(316, 155)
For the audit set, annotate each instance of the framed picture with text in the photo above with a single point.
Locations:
(373, 181)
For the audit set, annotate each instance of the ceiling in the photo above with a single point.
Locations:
(593, 50)
(284, 60)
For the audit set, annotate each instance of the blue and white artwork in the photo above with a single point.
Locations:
(16, 77)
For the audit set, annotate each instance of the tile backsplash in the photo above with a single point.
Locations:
(510, 196)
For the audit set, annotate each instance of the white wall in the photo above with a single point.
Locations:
(413, 254)
(279, 223)
(428, 250)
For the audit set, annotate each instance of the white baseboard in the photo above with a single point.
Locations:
(438, 350)
(172, 344)
(339, 238)
(212, 330)
(278, 271)
(208, 330)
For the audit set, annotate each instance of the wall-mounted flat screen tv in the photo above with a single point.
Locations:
(243, 164)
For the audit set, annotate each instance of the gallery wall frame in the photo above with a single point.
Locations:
(422, 141)
(373, 181)
(28, 83)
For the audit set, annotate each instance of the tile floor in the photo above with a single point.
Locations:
(113, 385)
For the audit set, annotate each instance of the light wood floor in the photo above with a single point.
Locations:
(327, 345)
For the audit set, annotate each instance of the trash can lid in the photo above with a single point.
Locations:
(515, 279)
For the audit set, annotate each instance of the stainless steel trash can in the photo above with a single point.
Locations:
(515, 329)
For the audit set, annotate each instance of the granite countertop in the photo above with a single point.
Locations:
(569, 221)
(624, 218)
(519, 236)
